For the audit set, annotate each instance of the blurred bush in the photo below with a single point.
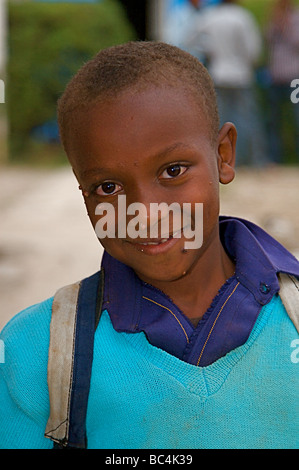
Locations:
(47, 44)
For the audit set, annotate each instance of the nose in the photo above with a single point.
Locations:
(155, 217)
(138, 203)
(144, 193)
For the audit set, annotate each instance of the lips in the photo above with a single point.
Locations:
(156, 242)
(155, 246)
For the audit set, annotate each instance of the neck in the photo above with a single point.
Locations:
(194, 292)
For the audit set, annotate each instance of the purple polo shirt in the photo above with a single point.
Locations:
(135, 306)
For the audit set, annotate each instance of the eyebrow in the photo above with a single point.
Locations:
(172, 148)
(94, 171)
(159, 154)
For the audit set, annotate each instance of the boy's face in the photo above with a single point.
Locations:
(152, 147)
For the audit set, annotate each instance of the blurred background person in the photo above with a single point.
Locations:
(282, 36)
(180, 20)
(229, 37)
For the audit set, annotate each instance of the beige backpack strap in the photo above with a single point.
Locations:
(289, 294)
(76, 312)
(61, 356)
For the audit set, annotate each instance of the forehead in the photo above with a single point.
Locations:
(135, 125)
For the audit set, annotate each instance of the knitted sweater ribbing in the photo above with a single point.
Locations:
(143, 397)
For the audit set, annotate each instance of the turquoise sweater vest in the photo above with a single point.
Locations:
(142, 397)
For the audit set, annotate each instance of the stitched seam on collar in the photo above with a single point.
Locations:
(210, 332)
(166, 308)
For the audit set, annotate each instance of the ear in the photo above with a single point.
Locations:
(226, 148)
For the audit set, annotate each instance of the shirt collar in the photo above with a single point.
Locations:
(258, 257)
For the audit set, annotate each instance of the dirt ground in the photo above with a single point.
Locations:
(46, 239)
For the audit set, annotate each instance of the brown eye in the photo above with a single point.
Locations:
(108, 188)
(173, 171)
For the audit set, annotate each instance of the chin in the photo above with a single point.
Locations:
(153, 269)
(164, 276)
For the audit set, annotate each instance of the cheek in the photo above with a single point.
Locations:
(100, 223)
(101, 215)
(91, 213)
(212, 202)
(206, 194)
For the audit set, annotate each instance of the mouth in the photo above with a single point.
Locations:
(156, 242)
(155, 246)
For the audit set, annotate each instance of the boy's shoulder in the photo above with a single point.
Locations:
(25, 338)
(23, 369)
(32, 318)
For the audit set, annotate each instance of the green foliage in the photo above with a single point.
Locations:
(48, 42)
(261, 9)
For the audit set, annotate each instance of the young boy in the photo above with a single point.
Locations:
(169, 346)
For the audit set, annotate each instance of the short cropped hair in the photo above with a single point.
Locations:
(138, 65)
